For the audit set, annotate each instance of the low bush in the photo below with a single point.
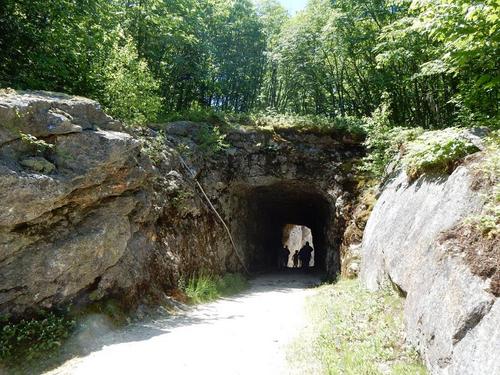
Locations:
(29, 340)
(196, 113)
(226, 120)
(354, 331)
(206, 288)
(436, 152)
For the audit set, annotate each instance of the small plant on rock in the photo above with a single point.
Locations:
(37, 146)
(211, 140)
(154, 146)
(436, 152)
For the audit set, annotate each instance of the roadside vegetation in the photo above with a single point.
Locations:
(206, 287)
(28, 340)
(353, 331)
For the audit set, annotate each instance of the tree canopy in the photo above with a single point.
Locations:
(434, 62)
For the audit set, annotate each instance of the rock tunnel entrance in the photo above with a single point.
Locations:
(262, 213)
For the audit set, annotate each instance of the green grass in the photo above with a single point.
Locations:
(206, 288)
(354, 332)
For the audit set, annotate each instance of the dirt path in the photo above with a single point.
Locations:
(245, 334)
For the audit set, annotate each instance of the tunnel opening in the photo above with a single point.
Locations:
(263, 214)
(294, 238)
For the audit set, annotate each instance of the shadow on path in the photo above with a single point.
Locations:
(99, 334)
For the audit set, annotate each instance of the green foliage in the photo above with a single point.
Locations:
(437, 61)
(467, 37)
(129, 91)
(384, 142)
(354, 331)
(310, 123)
(37, 146)
(183, 202)
(211, 140)
(436, 152)
(206, 288)
(33, 339)
(154, 146)
(196, 113)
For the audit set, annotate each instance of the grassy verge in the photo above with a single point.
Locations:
(353, 331)
(206, 288)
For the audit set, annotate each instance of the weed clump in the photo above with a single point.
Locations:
(206, 288)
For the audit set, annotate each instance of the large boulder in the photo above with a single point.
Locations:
(451, 313)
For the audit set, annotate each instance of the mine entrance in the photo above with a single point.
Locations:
(263, 214)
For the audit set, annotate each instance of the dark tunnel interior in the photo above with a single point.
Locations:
(262, 213)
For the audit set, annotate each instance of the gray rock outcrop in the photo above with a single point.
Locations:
(70, 215)
(451, 315)
(88, 211)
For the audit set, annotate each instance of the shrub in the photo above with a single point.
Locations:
(384, 141)
(211, 140)
(33, 339)
(310, 123)
(436, 152)
(130, 91)
(196, 113)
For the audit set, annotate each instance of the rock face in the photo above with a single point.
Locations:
(70, 212)
(451, 315)
(88, 211)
